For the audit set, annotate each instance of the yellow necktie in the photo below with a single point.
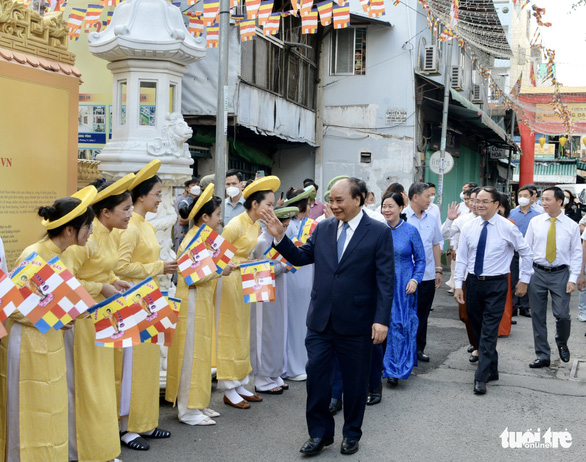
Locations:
(550, 248)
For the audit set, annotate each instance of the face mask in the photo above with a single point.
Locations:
(233, 191)
(432, 199)
(462, 196)
(524, 201)
(195, 191)
(566, 201)
(371, 207)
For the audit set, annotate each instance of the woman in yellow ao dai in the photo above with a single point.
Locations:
(33, 384)
(137, 368)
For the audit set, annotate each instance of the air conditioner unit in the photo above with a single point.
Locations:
(430, 60)
(476, 93)
(457, 78)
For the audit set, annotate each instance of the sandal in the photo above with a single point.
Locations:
(273, 391)
(138, 444)
(158, 433)
(285, 386)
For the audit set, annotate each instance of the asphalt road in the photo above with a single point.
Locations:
(433, 416)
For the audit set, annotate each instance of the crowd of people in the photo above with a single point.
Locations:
(354, 311)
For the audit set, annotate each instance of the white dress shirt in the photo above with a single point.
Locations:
(446, 227)
(430, 234)
(374, 215)
(457, 228)
(502, 239)
(352, 225)
(567, 238)
(537, 207)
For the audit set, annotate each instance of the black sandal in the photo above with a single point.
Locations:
(138, 443)
(158, 433)
(285, 386)
(274, 391)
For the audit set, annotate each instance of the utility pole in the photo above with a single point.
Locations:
(447, 87)
(221, 153)
(507, 184)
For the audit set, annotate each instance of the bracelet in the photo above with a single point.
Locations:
(438, 268)
(416, 283)
(439, 272)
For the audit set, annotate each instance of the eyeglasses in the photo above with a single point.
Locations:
(158, 195)
(125, 212)
(484, 202)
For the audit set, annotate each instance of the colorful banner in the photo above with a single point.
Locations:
(247, 30)
(309, 22)
(222, 251)
(306, 229)
(166, 338)
(272, 253)
(10, 297)
(264, 11)
(114, 323)
(42, 289)
(325, 12)
(271, 27)
(77, 301)
(195, 263)
(252, 7)
(213, 36)
(210, 12)
(258, 281)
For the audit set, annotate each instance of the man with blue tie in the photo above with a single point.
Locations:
(349, 310)
(485, 252)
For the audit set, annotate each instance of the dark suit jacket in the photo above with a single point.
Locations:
(356, 292)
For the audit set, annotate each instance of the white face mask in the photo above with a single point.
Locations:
(195, 191)
(462, 196)
(524, 201)
(233, 191)
(566, 201)
(432, 199)
(371, 207)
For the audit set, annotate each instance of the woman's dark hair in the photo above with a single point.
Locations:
(397, 197)
(144, 188)
(394, 188)
(62, 207)
(571, 202)
(258, 196)
(208, 208)
(110, 202)
(506, 205)
(302, 204)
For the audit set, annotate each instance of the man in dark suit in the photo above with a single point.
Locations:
(349, 310)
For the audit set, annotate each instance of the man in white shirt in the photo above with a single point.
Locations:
(234, 202)
(435, 211)
(426, 224)
(555, 240)
(535, 198)
(485, 251)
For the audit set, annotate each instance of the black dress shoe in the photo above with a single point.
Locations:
(493, 377)
(470, 349)
(539, 363)
(393, 381)
(473, 359)
(349, 446)
(513, 322)
(374, 397)
(422, 357)
(314, 445)
(515, 310)
(564, 353)
(335, 406)
(479, 387)
(525, 312)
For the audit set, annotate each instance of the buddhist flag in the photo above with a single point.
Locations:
(42, 289)
(306, 7)
(92, 15)
(341, 2)
(109, 17)
(272, 253)
(377, 8)
(77, 301)
(154, 315)
(294, 7)
(306, 229)
(309, 23)
(264, 11)
(110, 2)
(365, 5)
(296, 241)
(257, 281)
(514, 94)
(341, 16)
(115, 323)
(454, 13)
(325, 12)
(447, 34)
(10, 297)
(76, 18)
(195, 263)
(213, 36)
(56, 5)
(195, 26)
(210, 12)
(222, 250)
(192, 2)
(532, 75)
(247, 30)
(74, 34)
(166, 338)
(272, 25)
(396, 2)
(252, 7)
(237, 18)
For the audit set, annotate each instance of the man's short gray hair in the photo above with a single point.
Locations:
(417, 188)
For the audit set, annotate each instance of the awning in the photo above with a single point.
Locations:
(551, 172)
(474, 121)
(357, 19)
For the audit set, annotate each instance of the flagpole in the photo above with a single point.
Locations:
(447, 87)
(221, 153)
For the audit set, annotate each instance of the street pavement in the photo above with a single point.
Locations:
(432, 416)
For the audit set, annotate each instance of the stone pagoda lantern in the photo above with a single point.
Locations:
(148, 49)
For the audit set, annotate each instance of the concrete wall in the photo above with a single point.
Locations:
(293, 165)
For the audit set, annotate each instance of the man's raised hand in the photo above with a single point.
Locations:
(274, 226)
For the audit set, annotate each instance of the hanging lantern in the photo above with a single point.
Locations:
(563, 141)
(542, 141)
